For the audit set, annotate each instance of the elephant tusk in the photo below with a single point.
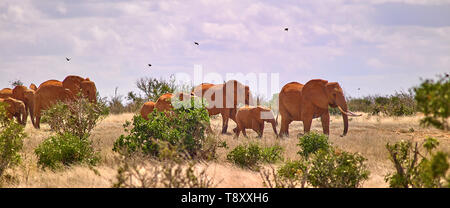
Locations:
(349, 113)
(353, 114)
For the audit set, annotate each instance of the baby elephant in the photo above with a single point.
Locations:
(15, 108)
(250, 117)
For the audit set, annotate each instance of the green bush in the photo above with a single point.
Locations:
(77, 117)
(251, 155)
(184, 130)
(312, 142)
(245, 156)
(397, 104)
(334, 169)
(292, 169)
(415, 170)
(65, 149)
(433, 100)
(272, 154)
(328, 167)
(11, 141)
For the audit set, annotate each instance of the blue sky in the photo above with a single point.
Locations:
(379, 46)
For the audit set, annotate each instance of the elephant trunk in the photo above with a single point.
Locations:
(32, 110)
(342, 105)
(345, 118)
(24, 113)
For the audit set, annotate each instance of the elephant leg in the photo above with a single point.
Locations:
(25, 117)
(237, 131)
(224, 123)
(307, 121)
(284, 130)
(37, 120)
(325, 118)
(256, 126)
(244, 133)
(261, 129)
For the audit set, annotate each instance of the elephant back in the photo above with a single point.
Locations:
(292, 87)
(315, 91)
(315, 83)
(164, 102)
(201, 89)
(6, 93)
(73, 83)
(239, 95)
(51, 94)
(52, 82)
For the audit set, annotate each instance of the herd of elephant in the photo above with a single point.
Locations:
(23, 101)
(297, 102)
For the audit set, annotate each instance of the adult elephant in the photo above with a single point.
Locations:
(223, 99)
(23, 94)
(77, 84)
(15, 109)
(45, 96)
(299, 102)
(147, 108)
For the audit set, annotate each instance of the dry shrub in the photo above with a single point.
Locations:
(142, 171)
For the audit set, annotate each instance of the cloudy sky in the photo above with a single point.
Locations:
(379, 46)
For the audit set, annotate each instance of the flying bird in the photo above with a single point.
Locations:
(359, 88)
(286, 29)
(68, 59)
(195, 43)
(149, 65)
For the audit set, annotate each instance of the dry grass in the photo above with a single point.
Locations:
(367, 135)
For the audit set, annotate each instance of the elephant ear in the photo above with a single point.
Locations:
(33, 87)
(315, 92)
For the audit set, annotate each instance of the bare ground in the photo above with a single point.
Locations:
(367, 135)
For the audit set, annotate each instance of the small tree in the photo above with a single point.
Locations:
(414, 169)
(153, 88)
(433, 100)
(15, 83)
(182, 130)
(77, 117)
(11, 141)
(115, 103)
